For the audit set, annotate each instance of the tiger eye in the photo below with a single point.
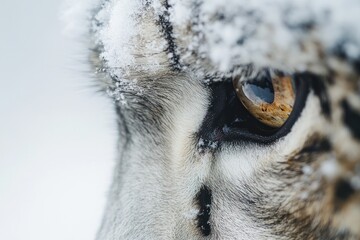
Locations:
(269, 98)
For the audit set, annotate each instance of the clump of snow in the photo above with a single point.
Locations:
(307, 170)
(204, 144)
(275, 32)
(330, 168)
(115, 27)
(119, 89)
(291, 35)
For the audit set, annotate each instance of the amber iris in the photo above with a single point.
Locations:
(269, 99)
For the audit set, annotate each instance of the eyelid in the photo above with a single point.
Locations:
(302, 88)
(227, 120)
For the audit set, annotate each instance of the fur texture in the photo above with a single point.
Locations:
(174, 180)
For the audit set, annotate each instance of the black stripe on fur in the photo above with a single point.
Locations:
(203, 200)
(167, 29)
(352, 119)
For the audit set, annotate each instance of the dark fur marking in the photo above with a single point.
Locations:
(272, 212)
(167, 29)
(340, 52)
(356, 65)
(352, 119)
(343, 190)
(319, 87)
(203, 199)
(317, 145)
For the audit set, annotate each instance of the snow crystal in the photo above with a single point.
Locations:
(268, 32)
(307, 170)
(117, 29)
(119, 89)
(204, 144)
(291, 35)
(330, 168)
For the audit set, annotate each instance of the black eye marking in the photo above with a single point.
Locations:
(227, 120)
(203, 200)
(351, 118)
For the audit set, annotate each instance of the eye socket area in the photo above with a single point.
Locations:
(230, 119)
(269, 97)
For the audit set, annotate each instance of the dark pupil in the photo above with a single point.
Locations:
(260, 87)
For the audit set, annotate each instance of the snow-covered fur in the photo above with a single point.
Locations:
(167, 65)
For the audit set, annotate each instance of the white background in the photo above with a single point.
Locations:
(57, 134)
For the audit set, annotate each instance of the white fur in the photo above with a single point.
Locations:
(160, 169)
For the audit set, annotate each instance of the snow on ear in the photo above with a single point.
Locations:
(294, 35)
(280, 33)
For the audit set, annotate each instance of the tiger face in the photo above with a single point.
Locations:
(221, 138)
